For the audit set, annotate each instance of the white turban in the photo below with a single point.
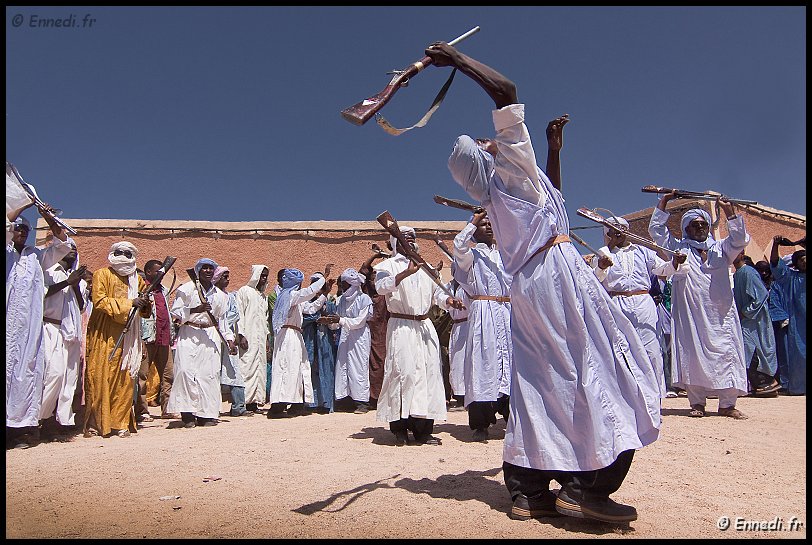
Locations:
(687, 218)
(615, 220)
(394, 242)
(21, 220)
(123, 265)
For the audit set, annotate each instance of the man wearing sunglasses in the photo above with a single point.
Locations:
(707, 335)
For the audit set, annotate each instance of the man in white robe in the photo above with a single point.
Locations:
(707, 342)
(230, 373)
(291, 383)
(625, 270)
(252, 304)
(61, 344)
(488, 349)
(583, 394)
(196, 388)
(412, 394)
(25, 292)
(457, 340)
(353, 310)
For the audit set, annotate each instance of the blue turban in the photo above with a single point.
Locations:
(204, 261)
(291, 279)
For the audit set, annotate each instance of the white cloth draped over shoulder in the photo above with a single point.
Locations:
(707, 347)
(488, 349)
(582, 388)
(25, 293)
(196, 388)
(253, 308)
(290, 368)
(631, 270)
(412, 379)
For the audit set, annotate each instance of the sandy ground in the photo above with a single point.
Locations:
(340, 475)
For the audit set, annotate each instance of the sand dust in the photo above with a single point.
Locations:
(340, 475)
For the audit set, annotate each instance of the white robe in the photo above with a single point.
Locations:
(582, 388)
(631, 270)
(352, 358)
(196, 387)
(230, 374)
(253, 309)
(25, 364)
(707, 346)
(290, 368)
(456, 341)
(488, 349)
(62, 347)
(412, 377)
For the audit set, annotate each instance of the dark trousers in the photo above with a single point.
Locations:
(160, 356)
(420, 427)
(596, 484)
(482, 414)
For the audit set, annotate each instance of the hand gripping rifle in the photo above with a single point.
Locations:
(193, 275)
(361, 113)
(168, 262)
(454, 203)
(392, 227)
(683, 194)
(379, 252)
(594, 216)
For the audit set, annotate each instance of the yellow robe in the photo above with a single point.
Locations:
(108, 389)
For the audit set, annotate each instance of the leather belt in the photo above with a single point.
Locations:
(299, 329)
(558, 239)
(408, 316)
(52, 321)
(627, 293)
(459, 321)
(198, 325)
(497, 298)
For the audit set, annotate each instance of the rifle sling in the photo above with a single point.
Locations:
(385, 125)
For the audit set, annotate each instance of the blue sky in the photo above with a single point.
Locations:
(232, 114)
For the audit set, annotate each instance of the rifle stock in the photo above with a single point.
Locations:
(360, 113)
(454, 203)
(193, 275)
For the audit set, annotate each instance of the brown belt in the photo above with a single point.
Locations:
(198, 325)
(52, 321)
(497, 298)
(408, 316)
(459, 321)
(299, 329)
(627, 293)
(558, 239)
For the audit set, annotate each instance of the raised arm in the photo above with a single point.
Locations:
(555, 141)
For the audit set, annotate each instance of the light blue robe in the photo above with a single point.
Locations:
(793, 285)
(751, 296)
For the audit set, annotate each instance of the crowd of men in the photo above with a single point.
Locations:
(575, 354)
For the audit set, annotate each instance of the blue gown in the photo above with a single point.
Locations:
(321, 351)
(793, 286)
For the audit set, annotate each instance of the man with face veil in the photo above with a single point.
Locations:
(196, 388)
(252, 305)
(707, 342)
(290, 378)
(109, 384)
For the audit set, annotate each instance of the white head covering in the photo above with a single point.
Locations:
(256, 272)
(71, 326)
(616, 220)
(355, 280)
(394, 242)
(123, 265)
(21, 220)
(687, 218)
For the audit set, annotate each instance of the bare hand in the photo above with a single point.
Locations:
(327, 269)
(232, 348)
(555, 132)
(243, 342)
(455, 303)
(678, 259)
(604, 262)
(328, 285)
(75, 276)
(479, 217)
(727, 206)
(201, 308)
(328, 319)
(439, 266)
(442, 54)
(412, 268)
(140, 302)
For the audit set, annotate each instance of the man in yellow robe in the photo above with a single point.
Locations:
(109, 385)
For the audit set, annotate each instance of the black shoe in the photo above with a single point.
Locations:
(361, 409)
(602, 509)
(428, 440)
(481, 436)
(770, 389)
(525, 508)
(401, 438)
(190, 424)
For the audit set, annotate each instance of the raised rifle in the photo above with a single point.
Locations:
(583, 243)
(444, 248)
(683, 194)
(167, 264)
(361, 113)
(377, 250)
(41, 206)
(392, 227)
(462, 205)
(193, 275)
(594, 216)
